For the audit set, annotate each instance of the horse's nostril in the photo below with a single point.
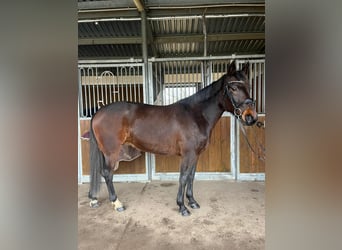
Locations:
(250, 120)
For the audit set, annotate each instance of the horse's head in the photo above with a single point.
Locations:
(238, 101)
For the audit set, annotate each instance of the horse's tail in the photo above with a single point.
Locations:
(96, 165)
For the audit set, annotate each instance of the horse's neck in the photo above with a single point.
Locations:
(212, 110)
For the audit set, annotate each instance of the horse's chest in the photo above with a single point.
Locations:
(198, 137)
(203, 142)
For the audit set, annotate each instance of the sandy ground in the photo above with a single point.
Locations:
(232, 216)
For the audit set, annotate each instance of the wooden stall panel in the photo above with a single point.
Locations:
(84, 127)
(133, 167)
(249, 161)
(216, 158)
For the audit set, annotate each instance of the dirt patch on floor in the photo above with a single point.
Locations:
(232, 216)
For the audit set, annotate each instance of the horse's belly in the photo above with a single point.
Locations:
(157, 139)
(161, 132)
(156, 145)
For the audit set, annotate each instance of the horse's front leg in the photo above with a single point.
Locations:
(189, 189)
(185, 170)
(180, 196)
(108, 176)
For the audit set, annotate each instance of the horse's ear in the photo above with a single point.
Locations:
(245, 68)
(232, 68)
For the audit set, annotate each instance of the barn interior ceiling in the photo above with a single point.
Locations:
(118, 29)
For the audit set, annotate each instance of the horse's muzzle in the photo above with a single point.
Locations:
(250, 120)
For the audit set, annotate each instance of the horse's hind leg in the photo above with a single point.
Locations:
(107, 173)
(124, 152)
(108, 176)
(189, 188)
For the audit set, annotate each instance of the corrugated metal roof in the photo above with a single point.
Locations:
(109, 29)
(179, 49)
(110, 51)
(236, 24)
(236, 47)
(172, 35)
(177, 26)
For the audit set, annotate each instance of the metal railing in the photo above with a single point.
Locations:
(172, 79)
(101, 84)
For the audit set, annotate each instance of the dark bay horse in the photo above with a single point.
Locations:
(121, 130)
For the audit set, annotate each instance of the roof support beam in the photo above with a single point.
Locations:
(236, 36)
(210, 37)
(97, 13)
(104, 4)
(173, 38)
(139, 5)
(109, 40)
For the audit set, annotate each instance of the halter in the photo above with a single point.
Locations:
(238, 114)
(237, 110)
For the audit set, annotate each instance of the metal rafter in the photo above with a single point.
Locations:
(97, 13)
(173, 38)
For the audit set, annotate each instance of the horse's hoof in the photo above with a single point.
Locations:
(121, 209)
(185, 212)
(118, 205)
(94, 204)
(194, 205)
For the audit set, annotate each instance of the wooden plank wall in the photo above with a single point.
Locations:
(249, 161)
(216, 158)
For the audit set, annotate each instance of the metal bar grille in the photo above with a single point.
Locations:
(103, 84)
(256, 81)
(177, 79)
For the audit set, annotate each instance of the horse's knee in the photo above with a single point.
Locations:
(184, 178)
(105, 172)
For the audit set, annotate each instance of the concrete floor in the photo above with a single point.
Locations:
(232, 216)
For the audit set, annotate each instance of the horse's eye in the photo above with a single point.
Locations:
(233, 88)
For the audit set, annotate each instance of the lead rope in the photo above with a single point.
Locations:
(260, 157)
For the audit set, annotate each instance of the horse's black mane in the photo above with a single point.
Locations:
(204, 93)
